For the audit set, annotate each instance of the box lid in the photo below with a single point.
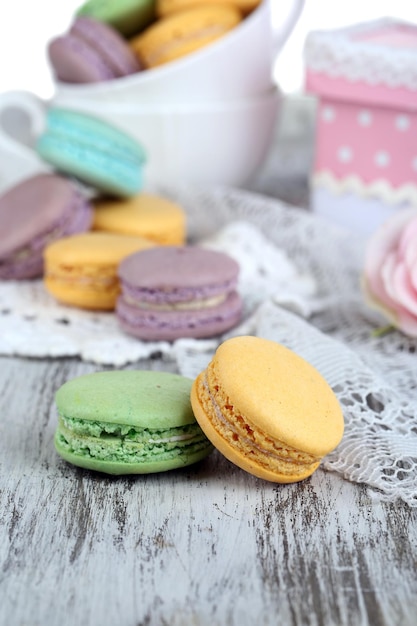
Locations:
(373, 62)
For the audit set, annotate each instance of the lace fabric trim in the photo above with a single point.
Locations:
(341, 53)
(300, 278)
(381, 189)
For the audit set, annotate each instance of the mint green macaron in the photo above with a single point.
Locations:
(128, 422)
(92, 150)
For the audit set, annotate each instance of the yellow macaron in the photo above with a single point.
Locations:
(168, 7)
(267, 409)
(152, 217)
(184, 32)
(81, 270)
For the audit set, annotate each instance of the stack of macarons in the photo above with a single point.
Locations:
(110, 39)
(128, 256)
(83, 270)
(113, 254)
(75, 226)
(51, 229)
(265, 408)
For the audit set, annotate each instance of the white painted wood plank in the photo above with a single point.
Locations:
(205, 545)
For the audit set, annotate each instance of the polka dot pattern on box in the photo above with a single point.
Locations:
(371, 144)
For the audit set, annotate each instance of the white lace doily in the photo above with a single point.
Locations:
(347, 53)
(300, 283)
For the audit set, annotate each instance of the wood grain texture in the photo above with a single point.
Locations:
(207, 545)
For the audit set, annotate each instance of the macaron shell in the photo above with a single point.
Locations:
(30, 208)
(168, 7)
(130, 397)
(267, 409)
(298, 405)
(127, 16)
(33, 214)
(182, 33)
(177, 267)
(74, 61)
(145, 215)
(93, 151)
(106, 137)
(93, 249)
(245, 462)
(108, 43)
(91, 166)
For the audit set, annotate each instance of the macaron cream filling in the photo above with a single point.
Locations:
(225, 418)
(229, 308)
(177, 306)
(99, 277)
(117, 442)
(137, 296)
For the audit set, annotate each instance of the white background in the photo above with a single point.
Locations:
(27, 25)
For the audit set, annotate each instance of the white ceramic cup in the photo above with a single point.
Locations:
(207, 118)
(22, 118)
(238, 65)
(210, 143)
(204, 143)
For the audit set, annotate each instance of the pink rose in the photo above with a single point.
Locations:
(390, 270)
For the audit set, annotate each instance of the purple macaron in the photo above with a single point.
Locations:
(169, 292)
(33, 214)
(91, 52)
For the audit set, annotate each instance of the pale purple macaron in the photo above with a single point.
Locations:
(169, 292)
(91, 52)
(33, 214)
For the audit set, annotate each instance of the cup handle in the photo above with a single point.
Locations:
(22, 120)
(283, 27)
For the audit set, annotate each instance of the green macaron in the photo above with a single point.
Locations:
(128, 422)
(126, 16)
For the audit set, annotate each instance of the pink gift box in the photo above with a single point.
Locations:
(365, 79)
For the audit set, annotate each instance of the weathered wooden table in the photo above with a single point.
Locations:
(207, 545)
